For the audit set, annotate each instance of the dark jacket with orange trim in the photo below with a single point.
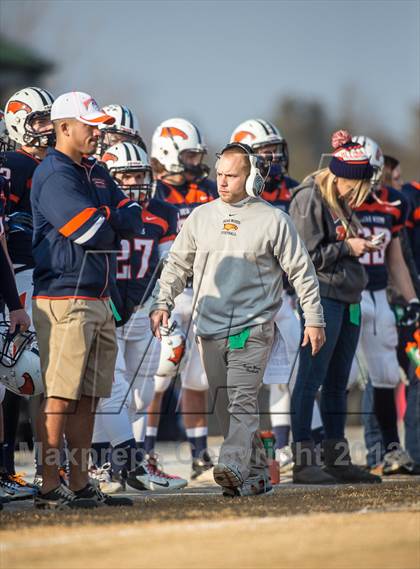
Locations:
(80, 216)
(18, 169)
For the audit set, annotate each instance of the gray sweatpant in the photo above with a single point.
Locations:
(235, 377)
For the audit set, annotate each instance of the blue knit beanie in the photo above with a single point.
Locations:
(349, 158)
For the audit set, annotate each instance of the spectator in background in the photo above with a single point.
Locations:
(392, 173)
(321, 209)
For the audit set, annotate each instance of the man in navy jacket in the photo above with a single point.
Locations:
(80, 215)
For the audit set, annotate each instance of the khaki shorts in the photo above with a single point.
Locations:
(77, 346)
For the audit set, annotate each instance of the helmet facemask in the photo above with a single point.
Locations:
(113, 135)
(198, 171)
(35, 137)
(141, 193)
(277, 160)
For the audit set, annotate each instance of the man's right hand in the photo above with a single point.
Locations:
(19, 318)
(158, 318)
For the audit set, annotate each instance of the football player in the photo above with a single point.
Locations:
(121, 419)
(382, 217)
(126, 128)
(27, 117)
(177, 156)
(266, 140)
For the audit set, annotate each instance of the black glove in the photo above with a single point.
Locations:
(411, 313)
(20, 221)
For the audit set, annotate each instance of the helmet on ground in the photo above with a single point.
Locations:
(20, 366)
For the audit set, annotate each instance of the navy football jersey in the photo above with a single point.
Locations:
(388, 217)
(139, 257)
(277, 191)
(412, 192)
(19, 168)
(187, 196)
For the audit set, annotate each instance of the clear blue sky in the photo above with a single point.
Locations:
(220, 62)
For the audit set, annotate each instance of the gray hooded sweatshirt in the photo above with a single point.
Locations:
(237, 255)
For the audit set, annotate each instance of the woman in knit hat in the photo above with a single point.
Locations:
(321, 208)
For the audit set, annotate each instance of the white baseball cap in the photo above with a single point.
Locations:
(80, 106)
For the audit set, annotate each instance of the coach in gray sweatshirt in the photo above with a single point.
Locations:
(237, 249)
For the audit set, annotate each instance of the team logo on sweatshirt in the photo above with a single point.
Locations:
(230, 226)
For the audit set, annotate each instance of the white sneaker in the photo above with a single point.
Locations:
(252, 486)
(397, 462)
(227, 475)
(284, 457)
(148, 476)
(102, 477)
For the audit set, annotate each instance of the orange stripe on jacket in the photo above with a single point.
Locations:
(77, 221)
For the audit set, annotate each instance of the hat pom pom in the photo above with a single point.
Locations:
(339, 138)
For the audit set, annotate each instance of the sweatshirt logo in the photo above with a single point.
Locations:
(230, 226)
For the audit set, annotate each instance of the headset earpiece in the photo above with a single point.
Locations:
(255, 181)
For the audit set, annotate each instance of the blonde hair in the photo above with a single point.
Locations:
(326, 182)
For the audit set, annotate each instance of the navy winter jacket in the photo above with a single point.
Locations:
(79, 217)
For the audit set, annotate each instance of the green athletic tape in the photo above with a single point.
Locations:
(115, 311)
(355, 314)
(238, 341)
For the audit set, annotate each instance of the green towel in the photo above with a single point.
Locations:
(355, 314)
(115, 311)
(238, 341)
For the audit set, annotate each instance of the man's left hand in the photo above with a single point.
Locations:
(315, 336)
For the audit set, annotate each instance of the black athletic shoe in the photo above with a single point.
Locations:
(201, 465)
(61, 498)
(352, 474)
(94, 493)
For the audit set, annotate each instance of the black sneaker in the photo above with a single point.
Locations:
(92, 492)
(201, 465)
(352, 474)
(61, 498)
